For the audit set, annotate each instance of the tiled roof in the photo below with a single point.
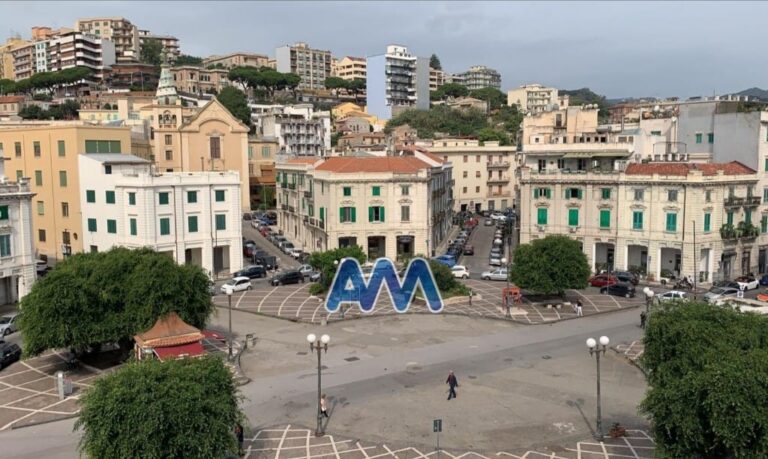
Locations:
(11, 99)
(682, 169)
(396, 164)
(169, 330)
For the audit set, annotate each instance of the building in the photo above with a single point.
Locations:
(199, 80)
(437, 78)
(17, 251)
(363, 141)
(195, 218)
(170, 43)
(24, 60)
(484, 174)
(349, 68)
(396, 81)
(261, 171)
(6, 58)
(533, 98)
(395, 207)
(298, 129)
(76, 49)
(312, 65)
(47, 154)
(119, 31)
(237, 60)
(143, 77)
(479, 77)
(11, 105)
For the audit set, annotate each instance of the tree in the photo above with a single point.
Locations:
(178, 408)
(550, 265)
(237, 103)
(453, 90)
(708, 381)
(151, 52)
(95, 298)
(335, 138)
(336, 83)
(33, 112)
(434, 62)
(185, 59)
(7, 86)
(490, 134)
(493, 96)
(324, 262)
(446, 283)
(441, 119)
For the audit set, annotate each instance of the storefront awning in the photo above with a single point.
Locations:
(177, 352)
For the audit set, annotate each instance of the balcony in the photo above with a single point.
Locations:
(752, 201)
(497, 180)
(499, 194)
(291, 186)
(308, 194)
(734, 201)
(317, 223)
(498, 165)
(284, 206)
(742, 231)
(291, 209)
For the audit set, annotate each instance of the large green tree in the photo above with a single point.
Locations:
(441, 119)
(333, 82)
(493, 96)
(706, 368)
(451, 90)
(550, 266)
(108, 297)
(7, 86)
(186, 59)
(236, 102)
(184, 408)
(434, 62)
(151, 52)
(324, 262)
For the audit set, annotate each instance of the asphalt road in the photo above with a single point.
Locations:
(482, 240)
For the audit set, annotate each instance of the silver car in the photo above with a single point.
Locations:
(9, 324)
(496, 274)
(720, 293)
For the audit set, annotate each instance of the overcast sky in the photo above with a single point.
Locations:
(618, 49)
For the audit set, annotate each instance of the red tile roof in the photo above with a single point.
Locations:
(352, 165)
(11, 99)
(683, 169)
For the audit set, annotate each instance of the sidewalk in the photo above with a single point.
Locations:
(443, 246)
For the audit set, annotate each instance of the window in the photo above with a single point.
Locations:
(220, 195)
(17, 149)
(40, 208)
(215, 147)
(405, 190)
(3, 212)
(346, 214)
(90, 196)
(465, 174)
(5, 245)
(477, 174)
(655, 132)
(110, 197)
(162, 198)
(322, 214)
(541, 216)
(671, 222)
(561, 164)
(132, 224)
(748, 216)
(573, 217)
(477, 189)
(605, 218)
(764, 224)
(542, 163)
(191, 197)
(39, 178)
(405, 213)
(711, 137)
(169, 155)
(112, 226)
(672, 195)
(92, 227)
(466, 158)
(36, 148)
(637, 220)
(221, 222)
(19, 175)
(62, 148)
(573, 193)
(464, 189)
(376, 214)
(250, 151)
(168, 139)
(192, 223)
(165, 226)
(65, 209)
(542, 193)
(707, 222)
(131, 198)
(765, 165)
(376, 191)
(698, 137)
(605, 193)
(41, 235)
(265, 153)
(107, 169)
(347, 191)
(708, 195)
(102, 146)
(477, 158)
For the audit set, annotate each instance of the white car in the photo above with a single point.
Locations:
(255, 224)
(306, 270)
(720, 293)
(748, 283)
(460, 272)
(496, 274)
(495, 261)
(9, 324)
(237, 284)
(673, 295)
(498, 216)
(295, 253)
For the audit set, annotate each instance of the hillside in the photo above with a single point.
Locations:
(761, 94)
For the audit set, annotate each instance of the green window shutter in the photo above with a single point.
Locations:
(221, 195)
(3, 212)
(707, 222)
(91, 146)
(766, 165)
(19, 175)
(381, 213)
(114, 146)
(370, 214)
(605, 218)
(341, 214)
(764, 224)
(132, 198)
(354, 214)
(90, 196)
(5, 245)
(63, 178)
(110, 197)
(548, 193)
(165, 226)
(729, 217)
(162, 198)
(221, 222)
(62, 148)
(322, 214)
(192, 223)
(92, 226)
(606, 193)
(347, 191)
(112, 226)
(377, 191)
(39, 178)
(541, 216)
(637, 220)
(191, 197)
(580, 193)
(748, 216)
(698, 138)
(711, 137)
(573, 217)
(134, 230)
(672, 222)
(765, 195)
(535, 193)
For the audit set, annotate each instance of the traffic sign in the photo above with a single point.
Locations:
(437, 425)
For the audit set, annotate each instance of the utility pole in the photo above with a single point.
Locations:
(695, 267)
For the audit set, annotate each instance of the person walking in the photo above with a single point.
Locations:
(579, 309)
(239, 435)
(323, 406)
(642, 319)
(453, 383)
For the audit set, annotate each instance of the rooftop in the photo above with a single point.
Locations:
(683, 169)
(116, 158)
(352, 165)
(11, 99)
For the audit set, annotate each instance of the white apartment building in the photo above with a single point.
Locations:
(312, 65)
(533, 98)
(484, 174)
(75, 49)
(349, 68)
(17, 251)
(194, 217)
(396, 81)
(392, 207)
(119, 31)
(479, 77)
(298, 129)
(170, 43)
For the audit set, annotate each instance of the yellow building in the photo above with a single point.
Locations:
(261, 171)
(350, 68)
(6, 57)
(348, 109)
(48, 156)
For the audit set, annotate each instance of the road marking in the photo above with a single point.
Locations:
(237, 305)
(302, 305)
(315, 313)
(279, 309)
(264, 298)
(587, 298)
(280, 445)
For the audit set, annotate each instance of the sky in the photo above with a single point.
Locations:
(618, 49)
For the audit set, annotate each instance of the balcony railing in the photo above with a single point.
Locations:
(734, 201)
(291, 209)
(308, 194)
(743, 230)
(498, 180)
(291, 186)
(497, 194)
(498, 165)
(752, 201)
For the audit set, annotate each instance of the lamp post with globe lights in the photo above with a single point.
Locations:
(596, 350)
(648, 298)
(229, 291)
(318, 345)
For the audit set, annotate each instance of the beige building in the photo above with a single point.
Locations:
(237, 60)
(479, 77)
(437, 78)
(170, 43)
(10, 105)
(393, 207)
(349, 68)
(261, 171)
(533, 98)
(196, 80)
(23, 55)
(119, 31)
(312, 65)
(6, 57)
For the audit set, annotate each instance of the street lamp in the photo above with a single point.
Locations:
(229, 290)
(318, 345)
(596, 350)
(648, 298)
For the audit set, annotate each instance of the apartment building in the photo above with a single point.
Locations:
(194, 217)
(349, 68)
(47, 154)
(437, 78)
(170, 43)
(24, 60)
(298, 129)
(533, 98)
(262, 152)
(484, 174)
(479, 77)
(312, 65)
(396, 81)
(6, 58)
(394, 207)
(119, 31)
(199, 80)
(17, 251)
(76, 49)
(237, 60)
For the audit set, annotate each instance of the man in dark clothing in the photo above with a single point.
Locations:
(453, 383)
(239, 435)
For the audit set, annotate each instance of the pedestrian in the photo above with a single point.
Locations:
(239, 435)
(323, 406)
(453, 383)
(642, 319)
(579, 309)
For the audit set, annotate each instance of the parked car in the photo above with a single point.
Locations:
(469, 250)
(496, 251)
(764, 279)
(601, 280)
(286, 247)
(9, 324)
(626, 276)
(499, 217)
(252, 272)
(287, 277)
(267, 261)
(672, 295)
(495, 274)
(237, 284)
(9, 353)
(247, 216)
(625, 289)
(277, 239)
(720, 293)
(315, 277)
(447, 260)
(295, 253)
(460, 272)
(748, 282)
(495, 260)
(306, 270)
(488, 222)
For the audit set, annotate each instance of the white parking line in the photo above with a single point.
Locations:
(237, 305)
(265, 297)
(279, 309)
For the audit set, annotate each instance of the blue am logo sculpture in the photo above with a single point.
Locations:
(350, 286)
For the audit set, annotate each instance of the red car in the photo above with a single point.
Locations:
(602, 280)
(264, 230)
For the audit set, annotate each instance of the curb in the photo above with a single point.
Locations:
(48, 421)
